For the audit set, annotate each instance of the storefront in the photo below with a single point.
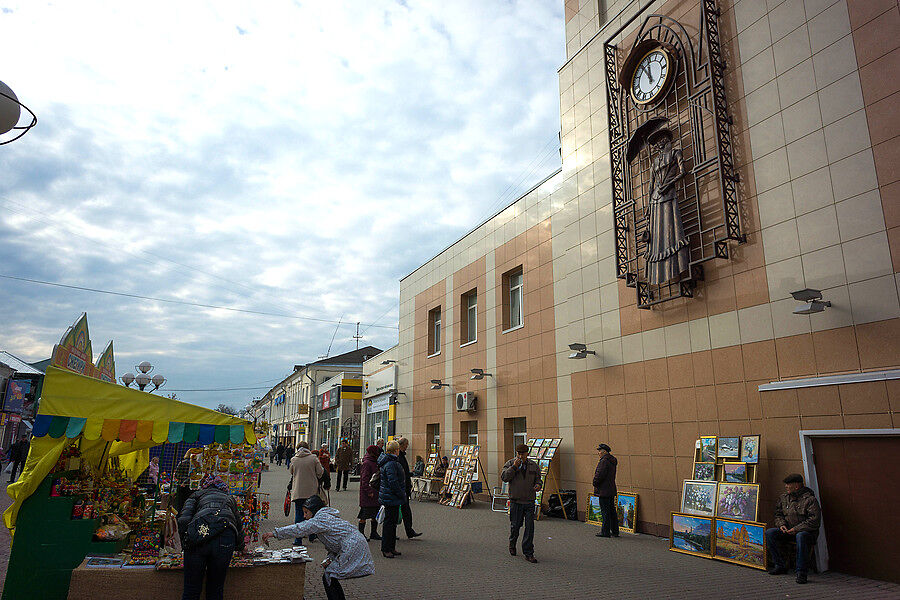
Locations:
(378, 388)
(377, 410)
(329, 404)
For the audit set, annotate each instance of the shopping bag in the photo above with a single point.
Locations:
(287, 504)
(8, 468)
(380, 516)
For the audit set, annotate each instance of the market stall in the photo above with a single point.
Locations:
(77, 498)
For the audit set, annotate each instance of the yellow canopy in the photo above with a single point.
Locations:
(112, 419)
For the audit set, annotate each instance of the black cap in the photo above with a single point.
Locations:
(604, 447)
(313, 504)
(522, 449)
(794, 478)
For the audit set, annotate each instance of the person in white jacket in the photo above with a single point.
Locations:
(348, 551)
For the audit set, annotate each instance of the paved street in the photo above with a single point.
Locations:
(463, 553)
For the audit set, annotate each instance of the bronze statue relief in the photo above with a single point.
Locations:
(668, 249)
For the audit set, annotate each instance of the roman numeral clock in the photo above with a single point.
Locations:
(675, 190)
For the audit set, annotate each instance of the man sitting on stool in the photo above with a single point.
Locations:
(797, 517)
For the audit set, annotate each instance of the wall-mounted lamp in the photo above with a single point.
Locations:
(436, 384)
(580, 351)
(389, 361)
(480, 374)
(812, 302)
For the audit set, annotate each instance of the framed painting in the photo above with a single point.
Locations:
(546, 443)
(704, 471)
(540, 452)
(699, 498)
(735, 472)
(534, 452)
(593, 516)
(741, 543)
(550, 452)
(750, 449)
(626, 511)
(555, 442)
(729, 447)
(691, 534)
(707, 448)
(737, 501)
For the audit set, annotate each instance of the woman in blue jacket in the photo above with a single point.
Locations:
(391, 494)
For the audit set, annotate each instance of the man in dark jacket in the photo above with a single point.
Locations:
(392, 494)
(279, 453)
(605, 490)
(797, 517)
(405, 508)
(212, 557)
(524, 478)
(343, 460)
(18, 452)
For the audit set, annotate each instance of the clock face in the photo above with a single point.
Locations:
(651, 76)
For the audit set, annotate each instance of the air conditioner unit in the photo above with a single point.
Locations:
(465, 401)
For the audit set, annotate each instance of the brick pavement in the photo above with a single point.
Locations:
(463, 553)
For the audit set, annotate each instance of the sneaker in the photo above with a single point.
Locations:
(777, 571)
(801, 577)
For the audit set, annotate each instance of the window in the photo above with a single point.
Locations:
(434, 331)
(470, 432)
(519, 434)
(468, 324)
(433, 435)
(513, 296)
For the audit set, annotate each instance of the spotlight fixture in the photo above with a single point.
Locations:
(436, 384)
(480, 374)
(388, 361)
(812, 301)
(580, 351)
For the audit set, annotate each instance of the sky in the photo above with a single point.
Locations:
(290, 158)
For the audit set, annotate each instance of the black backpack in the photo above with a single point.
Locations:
(207, 526)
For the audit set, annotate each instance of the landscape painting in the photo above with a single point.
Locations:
(691, 534)
(593, 515)
(704, 471)
(741, 543)
(626, 510)
(735, 472)
(699, 498)
(729, 447)
(708, 449)
(750, 449)
(737, 501)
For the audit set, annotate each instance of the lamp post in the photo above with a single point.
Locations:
(143, 379)
(10, 114)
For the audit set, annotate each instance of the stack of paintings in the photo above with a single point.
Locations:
(626, 511)
(463, 470)
(719, 505)
(542, 451)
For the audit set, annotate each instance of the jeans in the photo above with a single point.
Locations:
(407, 518)
(518, 513)
(333, 590)
(211, 559)
(342, 476)
(804, 539)
(299, 518)
(610, 517)
(389, 529)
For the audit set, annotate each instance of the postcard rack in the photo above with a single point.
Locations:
(463, 470)
(543, 451)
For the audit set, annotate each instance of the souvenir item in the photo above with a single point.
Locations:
(741, 542)
(704, 471)
(699, 498)
(691, 534)
(737, 501)
(708, 449)
(729, 447)
(626, 511)
(750, 449)
(735, 472)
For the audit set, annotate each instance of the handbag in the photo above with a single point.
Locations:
(380, 516)
(204, 528)
(287, 503)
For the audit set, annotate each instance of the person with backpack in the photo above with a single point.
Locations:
(211, 530)
(391, 494)
(348, 553)
(368, 491)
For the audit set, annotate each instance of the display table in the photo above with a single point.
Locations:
(426, 487)
(283, 581)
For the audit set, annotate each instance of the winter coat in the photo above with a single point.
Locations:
(419, 469)
(368, 496)
(305, 473)
(18, 452)
(347, 547)
(401, 458)
(521, 480)
(393, 481)
(799, 510)
(343, 459)
(325, 459)
(208, 501)
(279, 451)
(605, 476)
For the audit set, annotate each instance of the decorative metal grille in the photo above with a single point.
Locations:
(697, 109)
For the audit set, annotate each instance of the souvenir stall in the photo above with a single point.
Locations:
(77, 507)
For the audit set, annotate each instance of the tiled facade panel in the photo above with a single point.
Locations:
(430, 405)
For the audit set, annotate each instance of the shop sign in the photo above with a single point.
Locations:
(379, 404)
(380, 381)
(15, 418)
(17, 391)
(330, 399)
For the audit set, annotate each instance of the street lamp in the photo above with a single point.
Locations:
(11, 113)
(143, 379)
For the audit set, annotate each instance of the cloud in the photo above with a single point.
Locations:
(296, 159)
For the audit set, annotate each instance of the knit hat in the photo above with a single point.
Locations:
(313, 504)
(215, 481)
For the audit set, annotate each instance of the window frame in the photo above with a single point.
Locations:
(468, 324)
(434, 332)
(508, 291)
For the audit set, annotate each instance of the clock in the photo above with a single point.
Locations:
(652, 76)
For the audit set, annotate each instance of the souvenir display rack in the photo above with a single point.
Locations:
(543, 451)
(719, 505)
(432, 462)
(463, 470)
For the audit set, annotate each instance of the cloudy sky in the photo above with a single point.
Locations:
(294, 158)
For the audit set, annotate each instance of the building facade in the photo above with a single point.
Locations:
(379, 394)
(781, 167)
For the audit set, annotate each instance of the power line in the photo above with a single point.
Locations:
(234, 389)
(181, 302)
